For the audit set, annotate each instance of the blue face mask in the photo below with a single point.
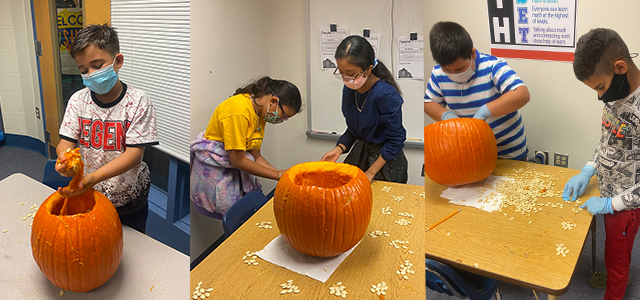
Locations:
(101, 81)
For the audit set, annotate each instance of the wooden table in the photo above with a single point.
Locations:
(148, 269)
(371, 262)
(511, 251)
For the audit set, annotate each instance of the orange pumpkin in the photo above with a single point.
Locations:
(323, 208)
(81, 250)
(459, 151)
(77, 242)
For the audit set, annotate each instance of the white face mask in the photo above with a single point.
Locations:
(462, 77)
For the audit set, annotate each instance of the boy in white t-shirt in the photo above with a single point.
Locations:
(111, 123)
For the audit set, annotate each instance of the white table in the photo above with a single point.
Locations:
(148, 269)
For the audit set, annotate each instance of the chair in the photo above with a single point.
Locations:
(52, 178)
(270, 195)
(462, 284)
(242, 210)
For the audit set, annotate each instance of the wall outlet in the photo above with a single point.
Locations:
(37, 113)
(561, 160)
(544, 154)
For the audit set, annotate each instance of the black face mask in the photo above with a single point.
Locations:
(618, 88)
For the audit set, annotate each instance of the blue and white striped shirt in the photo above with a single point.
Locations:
(492, 79)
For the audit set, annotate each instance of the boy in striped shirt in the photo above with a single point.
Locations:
(472, 84)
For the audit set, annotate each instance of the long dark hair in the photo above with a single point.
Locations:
(361, 54)
(287, 92)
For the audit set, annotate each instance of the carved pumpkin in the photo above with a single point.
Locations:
(323, 208)
(459, 151)
(77, 242)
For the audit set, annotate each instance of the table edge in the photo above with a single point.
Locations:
(558, 292)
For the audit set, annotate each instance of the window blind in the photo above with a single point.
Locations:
(154, 39)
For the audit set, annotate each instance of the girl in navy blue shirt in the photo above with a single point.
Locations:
(372, 107)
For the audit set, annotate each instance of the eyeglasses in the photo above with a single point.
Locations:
(284, 116)
(348, 79)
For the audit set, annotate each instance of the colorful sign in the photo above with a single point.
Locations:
(70, 21)
(533, 29)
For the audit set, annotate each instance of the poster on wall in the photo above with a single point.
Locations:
(69, 23)
(329, 41)
(410, 58)
(533, 29)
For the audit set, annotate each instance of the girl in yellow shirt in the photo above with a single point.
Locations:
(225, 158)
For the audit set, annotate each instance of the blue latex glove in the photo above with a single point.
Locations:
(448, 115)
(598, 205)
(483, 113)
(577, 184)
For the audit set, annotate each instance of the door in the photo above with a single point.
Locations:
(50, 79)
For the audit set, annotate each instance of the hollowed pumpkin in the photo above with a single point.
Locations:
(323, 208)
(77, 242)
(459, 151)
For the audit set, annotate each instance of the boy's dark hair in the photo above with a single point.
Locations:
(101, 36)
(449, 41)
(286, 91)
(360, 53)
(595, 52)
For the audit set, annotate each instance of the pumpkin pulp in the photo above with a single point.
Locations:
(74, 161)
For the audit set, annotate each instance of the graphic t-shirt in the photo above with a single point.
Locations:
(617, 158)
(235, 123)
(104, 130)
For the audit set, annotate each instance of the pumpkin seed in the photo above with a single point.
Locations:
(61, 292)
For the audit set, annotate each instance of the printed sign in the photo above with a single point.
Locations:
(533, 29)
(69, 23)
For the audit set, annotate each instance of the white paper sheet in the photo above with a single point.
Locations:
(410, 58)
(470, 194)
(278, 252)
(329, 41)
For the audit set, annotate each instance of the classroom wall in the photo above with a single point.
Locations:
(19, 88)
(288, 60)
(563, 115)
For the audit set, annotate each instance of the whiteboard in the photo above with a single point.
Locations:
(324, 90)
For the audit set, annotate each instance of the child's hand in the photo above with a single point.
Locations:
(61, 167)
(85, 185)
(332, 155)
(483, 113)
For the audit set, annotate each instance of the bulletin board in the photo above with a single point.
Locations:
(391, 19)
